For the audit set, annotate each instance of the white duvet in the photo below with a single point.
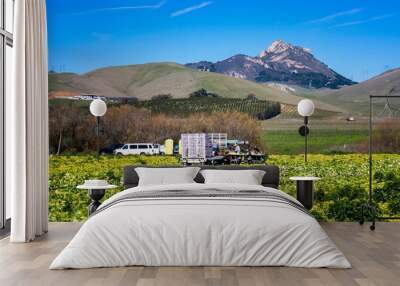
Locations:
(200, 231)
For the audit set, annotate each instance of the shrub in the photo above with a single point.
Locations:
(162, 97)
(387, 191)
(385, 137)
(338, 196)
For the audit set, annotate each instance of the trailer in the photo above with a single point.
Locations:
(213, 149)
(196, 148)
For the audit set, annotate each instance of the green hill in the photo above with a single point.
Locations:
(355, 99)
(148, 80)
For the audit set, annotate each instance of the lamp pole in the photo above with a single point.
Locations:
(305, 108)
(97, 137)
(98, 108)
(305, 138)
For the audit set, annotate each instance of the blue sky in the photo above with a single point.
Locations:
(357, 38)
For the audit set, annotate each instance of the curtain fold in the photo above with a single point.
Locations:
(27, 123)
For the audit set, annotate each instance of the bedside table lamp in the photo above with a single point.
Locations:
(98, 108)
(305, 108)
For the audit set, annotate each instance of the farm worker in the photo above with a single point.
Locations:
(256, 150)
(237, 149)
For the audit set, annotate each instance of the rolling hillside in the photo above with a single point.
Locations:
(379, 85)
(355, 98)
(147, 80)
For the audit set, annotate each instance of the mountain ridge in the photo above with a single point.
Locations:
(280, 62)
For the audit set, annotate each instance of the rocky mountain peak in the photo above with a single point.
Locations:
(280, 62)
(279, 47)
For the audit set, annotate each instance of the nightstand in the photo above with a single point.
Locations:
(96, 190)
(305, 190)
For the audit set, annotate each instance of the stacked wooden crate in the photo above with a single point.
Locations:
(219, 139)
(196, 148)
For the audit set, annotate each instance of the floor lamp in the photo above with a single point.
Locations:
(370, 208)
(98, 108)
(305, 108)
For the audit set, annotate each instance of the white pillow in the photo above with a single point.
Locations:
(166, 176)
(248, 177)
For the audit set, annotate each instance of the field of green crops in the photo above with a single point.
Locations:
(339, 195)
(319, 141)
(260, 109)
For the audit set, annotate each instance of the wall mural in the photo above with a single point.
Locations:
(232, 74)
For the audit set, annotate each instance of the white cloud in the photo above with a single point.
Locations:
(119, 8)
(336, 15)
(191, 9)
(359, 22)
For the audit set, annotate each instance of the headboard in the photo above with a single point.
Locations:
(270, 179)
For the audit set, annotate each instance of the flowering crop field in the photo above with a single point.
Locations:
(338, 196)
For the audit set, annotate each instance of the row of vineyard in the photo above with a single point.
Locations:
(184, 107)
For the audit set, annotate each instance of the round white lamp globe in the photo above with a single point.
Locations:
(305, 107)
(98, 107)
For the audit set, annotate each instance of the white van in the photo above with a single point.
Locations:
(138, 149)
(159, 149)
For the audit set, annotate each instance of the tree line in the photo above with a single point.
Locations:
(72, 128)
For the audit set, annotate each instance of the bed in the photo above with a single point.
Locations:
(201, 224)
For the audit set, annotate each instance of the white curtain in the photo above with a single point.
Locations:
(27, 124)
